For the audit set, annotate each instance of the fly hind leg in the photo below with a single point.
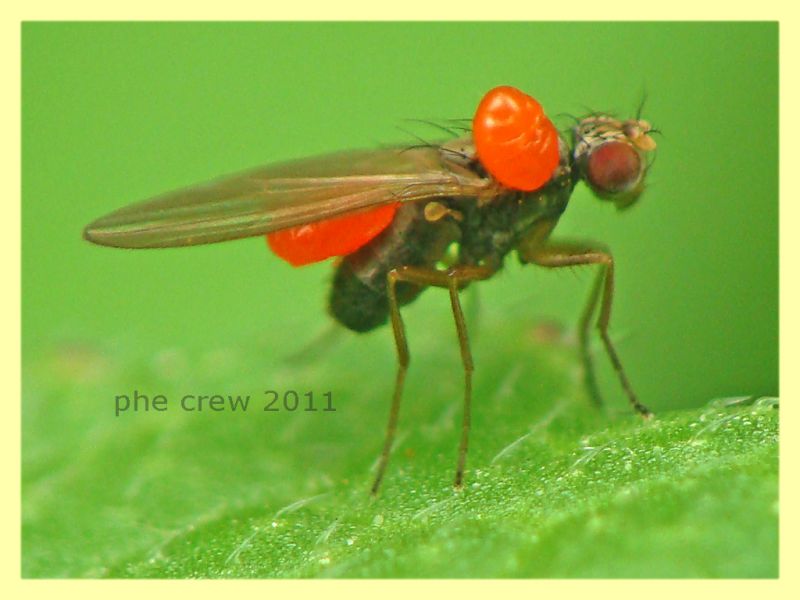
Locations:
(452, 279)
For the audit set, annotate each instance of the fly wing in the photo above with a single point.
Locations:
(279, 196)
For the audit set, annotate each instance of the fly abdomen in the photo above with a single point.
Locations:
(359, 296)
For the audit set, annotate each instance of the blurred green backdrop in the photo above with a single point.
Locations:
(114, 113)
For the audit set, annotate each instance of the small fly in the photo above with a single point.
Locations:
(401, 220)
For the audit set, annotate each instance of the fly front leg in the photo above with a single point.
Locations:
(452, 279)
(555, 255)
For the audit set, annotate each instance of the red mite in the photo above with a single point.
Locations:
(405, 219)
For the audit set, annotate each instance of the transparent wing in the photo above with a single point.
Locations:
(285, 195)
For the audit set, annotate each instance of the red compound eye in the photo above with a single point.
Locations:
(514, 139)
(613, 167)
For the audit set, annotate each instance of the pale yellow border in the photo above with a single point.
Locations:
(417, 10)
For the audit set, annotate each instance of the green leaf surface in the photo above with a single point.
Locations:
(554, 488)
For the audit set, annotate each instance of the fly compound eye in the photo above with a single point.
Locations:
(613, 168)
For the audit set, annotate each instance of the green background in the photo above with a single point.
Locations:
(114, 113)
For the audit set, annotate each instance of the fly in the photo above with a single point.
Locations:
(393, 217)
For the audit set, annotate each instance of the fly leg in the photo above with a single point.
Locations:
(557, 254)
(452, 279)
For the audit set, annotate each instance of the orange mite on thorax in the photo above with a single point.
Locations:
(514, 140)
